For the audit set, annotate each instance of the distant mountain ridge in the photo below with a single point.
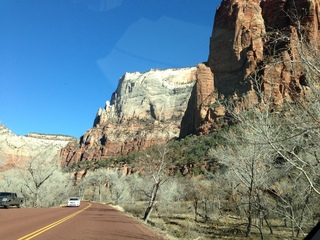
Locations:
(16, 149)
(51, 136)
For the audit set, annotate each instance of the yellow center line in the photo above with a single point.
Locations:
(52, 225)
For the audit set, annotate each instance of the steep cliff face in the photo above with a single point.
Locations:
(250, 35)
(146, 108)
(236, 44)
(15, 150)
(156, 106)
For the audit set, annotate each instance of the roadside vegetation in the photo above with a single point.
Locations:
(233, 190)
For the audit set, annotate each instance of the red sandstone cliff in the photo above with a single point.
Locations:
(252, 34)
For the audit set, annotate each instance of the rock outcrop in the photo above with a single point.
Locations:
(249, 35)
(236, 44)
(251, 39)
(146, 108)
(16, 150)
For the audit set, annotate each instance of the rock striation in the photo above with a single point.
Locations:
(236, 43)
(15, 150)
(249, 35)
(146, 108)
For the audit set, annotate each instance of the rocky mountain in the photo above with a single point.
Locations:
(159, 105)
(145, 109)
(153, 107)
(14, 149)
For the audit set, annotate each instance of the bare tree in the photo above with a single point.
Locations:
(250, 164)
(286, 132)
(153, 165)
(199, 191)
(298, 121)
(135, 183)
(97, 181)
(171, 193)
(119, 187)
(40, 175)
(9, 180)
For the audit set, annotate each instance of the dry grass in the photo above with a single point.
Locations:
(178, 223)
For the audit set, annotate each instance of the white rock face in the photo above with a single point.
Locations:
(159, 95)
(14, 148)
(146, 109)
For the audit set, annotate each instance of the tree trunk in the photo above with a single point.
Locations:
(250, 209)
(151, 202)
(195, 204)
(302, 215)
(249, 221)
(269, 226)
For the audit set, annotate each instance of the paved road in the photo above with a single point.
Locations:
(89, 221)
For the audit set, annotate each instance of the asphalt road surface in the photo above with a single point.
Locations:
(89, 221)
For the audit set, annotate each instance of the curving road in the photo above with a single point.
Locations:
(89, 221)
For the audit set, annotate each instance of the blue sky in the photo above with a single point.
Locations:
(60, 60)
